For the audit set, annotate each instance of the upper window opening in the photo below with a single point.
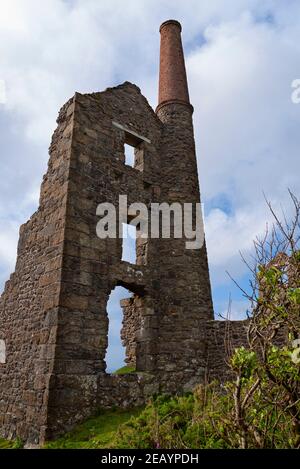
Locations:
(132, 149)
(129, 155)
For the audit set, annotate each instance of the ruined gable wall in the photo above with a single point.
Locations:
(92, 267)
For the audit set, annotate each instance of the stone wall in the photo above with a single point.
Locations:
(92, 267)
(53, 315)
(222, 337)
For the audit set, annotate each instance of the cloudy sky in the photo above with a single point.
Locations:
(241, 58)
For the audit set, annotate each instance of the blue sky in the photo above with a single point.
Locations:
(241, 58)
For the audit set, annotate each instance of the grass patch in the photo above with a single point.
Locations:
(97, 432)
(11, 444)
(124, 370)
(6, 444)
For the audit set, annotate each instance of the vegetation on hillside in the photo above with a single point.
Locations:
(97, 432)
(11, 444)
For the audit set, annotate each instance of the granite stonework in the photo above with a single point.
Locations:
(53, 311)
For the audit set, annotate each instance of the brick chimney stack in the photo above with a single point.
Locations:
(173, 87)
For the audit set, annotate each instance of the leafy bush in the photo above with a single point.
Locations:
(176, 422)
(248, 412)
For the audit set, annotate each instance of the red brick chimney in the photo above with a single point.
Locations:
(173, 87)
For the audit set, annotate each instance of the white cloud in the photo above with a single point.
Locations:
(246, 129)
(244, 118)
(227, 234)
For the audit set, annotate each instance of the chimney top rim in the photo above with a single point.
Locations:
(166, 23)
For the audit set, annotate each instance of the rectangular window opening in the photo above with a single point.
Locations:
(129, 243)
(129, 151)
(133, 149)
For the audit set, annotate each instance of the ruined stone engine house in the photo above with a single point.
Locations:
(53, 312)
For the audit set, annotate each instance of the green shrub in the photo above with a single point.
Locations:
(253, 410)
